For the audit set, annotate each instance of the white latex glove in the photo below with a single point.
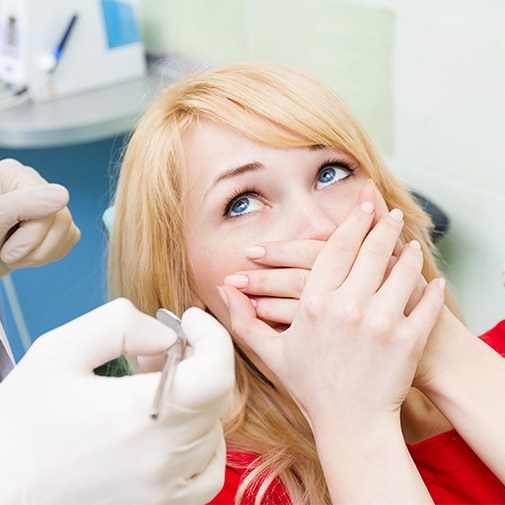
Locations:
(70, 437)
(46, 231)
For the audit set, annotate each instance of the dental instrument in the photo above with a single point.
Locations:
(175, 353)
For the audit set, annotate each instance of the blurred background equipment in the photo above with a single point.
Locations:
(53, 48)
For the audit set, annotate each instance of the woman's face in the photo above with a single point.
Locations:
(241, 193)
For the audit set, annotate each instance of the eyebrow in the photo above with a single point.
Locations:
(235, 172)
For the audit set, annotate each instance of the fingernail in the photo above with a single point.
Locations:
(236, 280)
(441, 283)
(397, 215)
(254, 303)
(223, 296)
(415, 245)
(370, 181)
(255, 252)
(367, 207)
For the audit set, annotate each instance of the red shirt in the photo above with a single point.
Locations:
(451, 471)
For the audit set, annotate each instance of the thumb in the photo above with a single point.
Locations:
(246, 327)
(208, 373)
(107, 332)
(30, 202)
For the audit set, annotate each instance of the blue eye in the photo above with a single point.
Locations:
(243, 204)
(329, 175)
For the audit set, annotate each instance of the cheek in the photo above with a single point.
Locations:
(340, 204)
(211, 258)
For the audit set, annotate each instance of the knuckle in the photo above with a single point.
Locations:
(313, 308)
(260, 280)
(123, 309)
(380, 324)
(350, 313)
(264, 309)
(375, 247)
(408, 270)
(298, 281)
(309, 255)
(341, 246)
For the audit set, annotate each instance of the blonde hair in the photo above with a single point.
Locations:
(271, 104)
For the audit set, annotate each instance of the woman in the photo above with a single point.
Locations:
(253, 178)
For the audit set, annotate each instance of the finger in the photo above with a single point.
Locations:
(286, 253)
(403, 278)
(152, 363)
(246, 328)
(208, 338)
(208, 374)
(283, 282)
(381, 209)
(367, 193)
(425, 314)
(194, 457)
(31, 202)
(337, 256)
(14, 175)
(416, 295)
(134, 393)
(105, 333)
(58, 241)
(204, 486)
(276, 310)
(372, 260)
(27, 237)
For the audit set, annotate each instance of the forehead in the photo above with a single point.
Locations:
(208, 142)
(210, 149)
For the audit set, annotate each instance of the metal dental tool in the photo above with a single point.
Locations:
(174, 354)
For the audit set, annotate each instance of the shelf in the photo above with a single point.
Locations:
(88, 117)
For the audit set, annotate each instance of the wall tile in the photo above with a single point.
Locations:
(450, 103)
(348, 46)
(474, 250)
(488, 10)
(215, 31)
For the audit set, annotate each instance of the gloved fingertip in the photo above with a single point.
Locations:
(58, 194)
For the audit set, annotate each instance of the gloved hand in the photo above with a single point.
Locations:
(46, 231)
(68, 436)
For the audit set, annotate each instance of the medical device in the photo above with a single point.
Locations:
(174, 354)
(55, 48)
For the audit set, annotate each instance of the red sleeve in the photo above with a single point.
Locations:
(450, 469)
(440, 459)
(495, 338)
(226, 496)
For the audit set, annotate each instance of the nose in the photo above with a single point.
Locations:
(312, 221)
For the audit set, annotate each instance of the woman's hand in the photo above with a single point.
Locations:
(350, 354)
(275, 289)
(349, 318)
